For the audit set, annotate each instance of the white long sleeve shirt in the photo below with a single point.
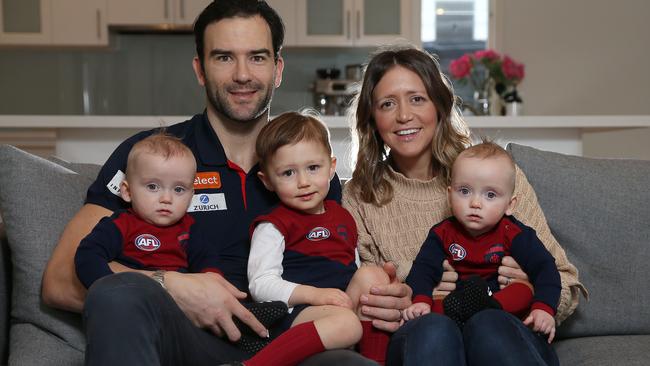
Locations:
(265, 281)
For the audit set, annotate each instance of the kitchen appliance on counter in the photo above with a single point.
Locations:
(332, 96)
(354, 72)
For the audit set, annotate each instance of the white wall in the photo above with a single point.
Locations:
(582, 57)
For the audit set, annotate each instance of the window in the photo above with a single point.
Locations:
(451, 28)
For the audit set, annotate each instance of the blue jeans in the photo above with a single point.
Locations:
(491, 337)
(131, 320)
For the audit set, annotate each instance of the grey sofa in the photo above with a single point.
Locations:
(598, 209)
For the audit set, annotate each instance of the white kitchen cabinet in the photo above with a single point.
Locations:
(353, 22)
(25, 22)
(289, 14)
(53, 22)
(164, 13)
(186, 11)
(79, 22)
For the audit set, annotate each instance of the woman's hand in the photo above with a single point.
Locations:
(385, 303)
(447, 283)
(509, 270)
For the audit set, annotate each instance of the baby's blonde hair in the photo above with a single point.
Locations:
(488, 149)
(159, 143)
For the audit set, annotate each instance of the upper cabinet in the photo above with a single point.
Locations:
(309, 23)
(353, 22)
(25, 21)
(154, 12)
(79, 22)
(289, 14)
(53, 22)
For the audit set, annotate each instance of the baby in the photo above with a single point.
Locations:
(475, 239)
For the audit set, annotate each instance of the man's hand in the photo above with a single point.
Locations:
(210, 301)
(509, 270)
(541, 321)
(447, 282)
(385, 302)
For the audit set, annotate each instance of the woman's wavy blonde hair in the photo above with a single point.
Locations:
(450, 138)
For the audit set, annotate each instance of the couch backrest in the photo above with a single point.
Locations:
(37, 199)
(598, 210)
(5, 294)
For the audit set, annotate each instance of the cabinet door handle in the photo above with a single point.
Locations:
(182, 9)
(347, 20)
(99, 24)
(358, 24)
(166, 9)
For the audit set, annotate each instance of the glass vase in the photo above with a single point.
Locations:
(482, 100)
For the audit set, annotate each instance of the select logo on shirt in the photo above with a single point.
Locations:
(458, 253)
(147, 242)
(205, 180)
(318, 233)
(208, 202)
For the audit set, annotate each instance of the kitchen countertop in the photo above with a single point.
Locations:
(90, 139)
(338, 122)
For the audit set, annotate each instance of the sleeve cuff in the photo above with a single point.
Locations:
(542, 306)
(212, 270)
(423, 298)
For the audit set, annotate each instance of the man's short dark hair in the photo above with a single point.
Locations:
(226, 9)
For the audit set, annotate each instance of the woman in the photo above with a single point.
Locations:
(409, 132)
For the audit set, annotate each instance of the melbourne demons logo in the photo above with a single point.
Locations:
(318, 233)
(342, 230)
(495, 253)
(183, 238)
(147, 242)
(458, 253)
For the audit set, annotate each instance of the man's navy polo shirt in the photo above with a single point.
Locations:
(225, 202)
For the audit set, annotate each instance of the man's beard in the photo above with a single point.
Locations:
(218, 99)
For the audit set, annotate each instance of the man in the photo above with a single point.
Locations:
(129, 318)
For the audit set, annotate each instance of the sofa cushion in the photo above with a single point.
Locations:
(598, 209)
(37, 198)
(52, 351)
(83, 169)
(628, 350)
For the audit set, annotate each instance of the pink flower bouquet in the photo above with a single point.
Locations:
(486, 68)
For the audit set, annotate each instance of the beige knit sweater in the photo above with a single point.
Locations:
(394, 232)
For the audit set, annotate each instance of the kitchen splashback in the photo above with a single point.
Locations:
(139, 74)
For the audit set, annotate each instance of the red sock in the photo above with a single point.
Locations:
(373, 342)
(437, 306)
(290, 348)
(515, 298)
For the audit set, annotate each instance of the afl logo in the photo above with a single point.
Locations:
(318, 233)
(147, 242)
(457, 252)
(204, 199)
